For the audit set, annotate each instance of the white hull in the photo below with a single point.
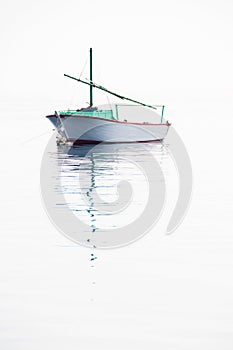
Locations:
(94, 129)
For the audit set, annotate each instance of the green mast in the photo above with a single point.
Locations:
(91, 86)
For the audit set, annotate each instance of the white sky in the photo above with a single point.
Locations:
(140, 48)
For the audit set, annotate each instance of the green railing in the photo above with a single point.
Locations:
(106, 114)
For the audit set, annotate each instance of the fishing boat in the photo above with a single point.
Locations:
(96, 124)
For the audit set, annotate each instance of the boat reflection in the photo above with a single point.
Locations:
(101, 181)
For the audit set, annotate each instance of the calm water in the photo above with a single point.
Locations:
(107, 186)
(170, 292)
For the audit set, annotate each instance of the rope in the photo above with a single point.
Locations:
(35, 137)
(74, 93)
(83, 68)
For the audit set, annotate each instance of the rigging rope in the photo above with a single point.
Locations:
(83, 68)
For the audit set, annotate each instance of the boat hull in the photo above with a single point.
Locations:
(80, 129)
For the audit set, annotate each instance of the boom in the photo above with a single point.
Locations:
(91, 84)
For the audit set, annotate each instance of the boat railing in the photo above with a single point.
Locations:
(106, 114)
(138, 110)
